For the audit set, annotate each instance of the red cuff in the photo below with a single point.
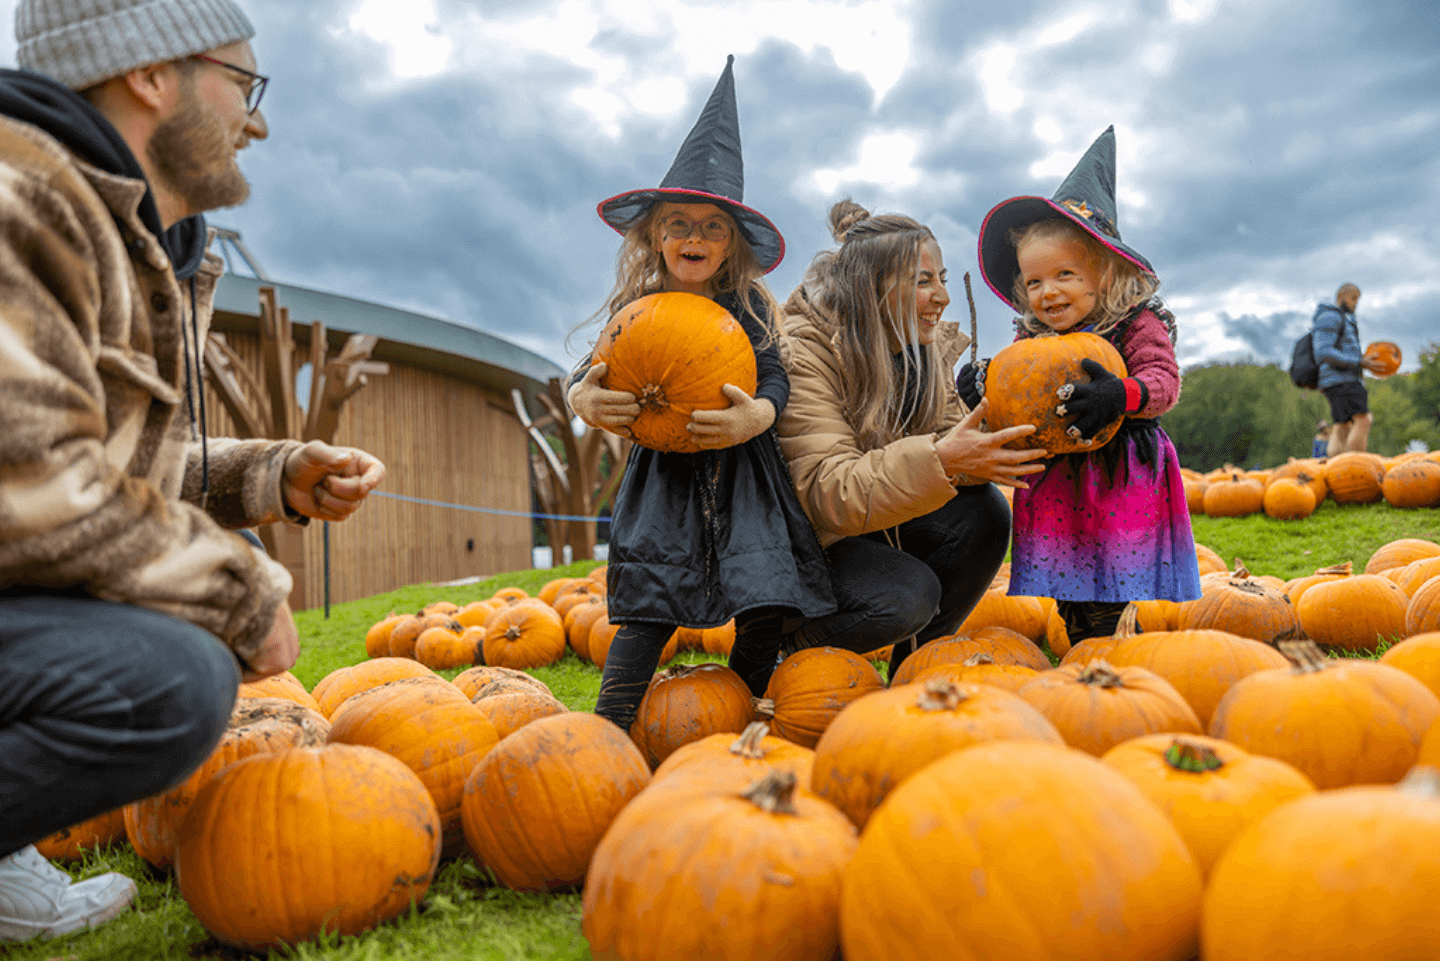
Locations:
(1137, 395)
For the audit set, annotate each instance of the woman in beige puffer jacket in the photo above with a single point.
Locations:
(890, 467)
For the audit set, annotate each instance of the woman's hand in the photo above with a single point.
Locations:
(745, 418)
(600, 408)
(966, 449)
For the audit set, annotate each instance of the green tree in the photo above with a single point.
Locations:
(1242, 414)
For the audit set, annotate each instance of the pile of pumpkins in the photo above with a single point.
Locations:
(1294, 490)
(1192, 785)
(514, 630)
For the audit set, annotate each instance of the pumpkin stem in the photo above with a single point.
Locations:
(748, 744)
(1240, 569)
(1192, 757)
(652, 398)
(1423, 781)
(941, 696)
(454, 626)
(774, 793)
(1129, 624)
(512, 633)
(975, 660)
(1305, 655)
(764, 707)
(1100, 673)
(1344, 570)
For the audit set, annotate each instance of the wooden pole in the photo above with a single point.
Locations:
(974, 320)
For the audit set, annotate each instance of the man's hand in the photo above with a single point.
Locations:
(278, 652)
(745, 418)
(329, 483)
(602, 409)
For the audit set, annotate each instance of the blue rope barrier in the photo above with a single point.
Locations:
(486, 510)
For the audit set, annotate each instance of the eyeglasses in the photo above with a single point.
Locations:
(678, 228)
(258, 82)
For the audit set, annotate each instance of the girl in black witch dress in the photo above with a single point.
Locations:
(698, 539)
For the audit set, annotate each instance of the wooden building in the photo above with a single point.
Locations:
(443, 421)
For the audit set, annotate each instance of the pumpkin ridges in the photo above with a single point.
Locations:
(1022, 378)
(1353, 612)
(811, 687)
(1096, 706)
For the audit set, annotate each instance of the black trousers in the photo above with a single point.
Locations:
(101, 704)
(924, 587)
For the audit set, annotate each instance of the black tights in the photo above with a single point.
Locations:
(635, 654)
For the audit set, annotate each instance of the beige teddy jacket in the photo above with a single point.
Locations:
(845, 488)
(98, 468)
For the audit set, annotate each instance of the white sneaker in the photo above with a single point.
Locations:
(37, 899)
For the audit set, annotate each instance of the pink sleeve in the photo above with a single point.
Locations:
(1150, 358)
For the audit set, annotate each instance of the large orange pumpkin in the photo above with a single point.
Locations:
(1003, 646)
(752, 752)
(1097, 706)
(1020, 852)
(431, 728)
(377, 638)
(536, 806)
(883, 738)
(510, 712)
(1200, 665)
(1410, 577)
(1022, 379)
(257, 726)
(687, 702)
(980, 669)
(1355, 613)
(526, 634)
(1235, 496)
(1025, 616)
(1334, 876)
(283, 685)
(482, 682)
(442, 648)
(674, 351)
(1418, 656)
(1406, 550)
(1210, 789)
(1339, 722)
(1290, 499)
(724, 875)
(1423, 614)
(1354, 477)
(812, 686)
(348, 839)
(1416, 484)
(1243, 605)
(344, 682)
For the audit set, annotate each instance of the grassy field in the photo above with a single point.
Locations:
(465, 916)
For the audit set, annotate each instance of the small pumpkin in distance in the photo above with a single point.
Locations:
(674, 351)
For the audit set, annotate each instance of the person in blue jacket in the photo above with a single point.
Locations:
(1335, 338)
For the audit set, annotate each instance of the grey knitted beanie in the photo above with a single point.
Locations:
(84, 42)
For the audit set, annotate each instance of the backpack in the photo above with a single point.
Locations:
(1304, 372)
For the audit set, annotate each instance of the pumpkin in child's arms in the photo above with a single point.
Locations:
(674, 351)
(1022, 383)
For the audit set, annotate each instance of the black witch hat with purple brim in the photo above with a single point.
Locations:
(1086, 198)
(707, 170)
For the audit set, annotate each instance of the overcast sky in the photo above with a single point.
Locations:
(447, 155)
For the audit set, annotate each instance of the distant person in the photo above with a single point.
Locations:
(1335, 339)
(129, 611)
(700, 539)
(1108, 525)
(1319, 447)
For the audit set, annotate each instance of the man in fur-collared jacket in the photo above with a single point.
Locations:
(129, 610)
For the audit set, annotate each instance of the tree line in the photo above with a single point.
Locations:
(1250, 415)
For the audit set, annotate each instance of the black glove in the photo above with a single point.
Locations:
(969, 382)
(1092, 407)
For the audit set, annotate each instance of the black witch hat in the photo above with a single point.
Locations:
(1087, 198)
(707, 170)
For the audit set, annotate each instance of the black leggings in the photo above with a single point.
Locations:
(635, 653)
(921, 589)
(1090, 618)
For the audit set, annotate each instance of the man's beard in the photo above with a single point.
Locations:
(194, 158)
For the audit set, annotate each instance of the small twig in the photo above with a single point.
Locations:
(974, 321)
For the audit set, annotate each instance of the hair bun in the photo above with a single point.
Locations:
(845, 215)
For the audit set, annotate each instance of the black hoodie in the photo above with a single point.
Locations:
(38, 100)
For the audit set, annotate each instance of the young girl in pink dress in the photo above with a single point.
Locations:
(1109, 526)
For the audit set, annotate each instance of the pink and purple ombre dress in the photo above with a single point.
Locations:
(1113, 525)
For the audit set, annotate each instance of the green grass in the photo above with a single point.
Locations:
(464, 916)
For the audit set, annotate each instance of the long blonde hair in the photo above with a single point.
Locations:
(1122, 285)
(640, 270)
(879, 255)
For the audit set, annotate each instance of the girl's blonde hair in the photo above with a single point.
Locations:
(640, 270)
(1122, 285)
(879, 256)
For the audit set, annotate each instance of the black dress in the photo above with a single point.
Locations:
(696, 539)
